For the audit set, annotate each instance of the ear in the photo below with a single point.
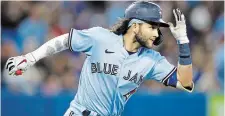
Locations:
(136, 28)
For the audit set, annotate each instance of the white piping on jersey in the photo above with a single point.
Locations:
(171, 72)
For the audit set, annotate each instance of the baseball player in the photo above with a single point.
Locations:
(118, 60)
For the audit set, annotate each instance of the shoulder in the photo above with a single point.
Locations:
(104, 35)
(89, 30)
(97, 30)
(152, 54)
(99, 34)
(93, 32)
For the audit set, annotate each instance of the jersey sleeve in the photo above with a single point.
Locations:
(82, 40)
(161, 70)
(166, 73)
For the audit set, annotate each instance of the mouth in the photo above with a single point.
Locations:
(152, 40)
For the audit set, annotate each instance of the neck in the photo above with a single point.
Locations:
(130, 43)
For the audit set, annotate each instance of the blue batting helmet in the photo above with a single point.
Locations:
(148, 12)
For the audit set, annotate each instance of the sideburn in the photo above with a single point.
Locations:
(139, 39)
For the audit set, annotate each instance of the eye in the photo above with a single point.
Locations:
(154, 27)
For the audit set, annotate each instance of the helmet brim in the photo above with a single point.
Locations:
(163, 23)
(159, 22)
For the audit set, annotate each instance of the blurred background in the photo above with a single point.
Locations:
(48, 87)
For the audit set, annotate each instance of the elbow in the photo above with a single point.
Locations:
(185, 88)
(186, 83)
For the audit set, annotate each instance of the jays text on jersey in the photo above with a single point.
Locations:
(110, 75)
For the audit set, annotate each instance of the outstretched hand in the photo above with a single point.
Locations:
(19, 64)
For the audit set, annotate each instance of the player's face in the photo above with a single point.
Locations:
(147, 34)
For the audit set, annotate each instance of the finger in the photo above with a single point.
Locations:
(8, 64)
(11, 73)
(175, 15)
(181, 12)
(170, 25)
(11, 67)
(178, 14)
(182, 17)
(11, 58)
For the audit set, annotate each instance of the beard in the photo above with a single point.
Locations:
(142, 40)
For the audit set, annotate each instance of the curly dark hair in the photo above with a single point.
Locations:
(120, 27)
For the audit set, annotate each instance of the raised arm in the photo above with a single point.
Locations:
(184, 68)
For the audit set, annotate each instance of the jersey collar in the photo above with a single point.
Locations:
(138, 53)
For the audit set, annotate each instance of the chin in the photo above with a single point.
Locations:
(149, 46)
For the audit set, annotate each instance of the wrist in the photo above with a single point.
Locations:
(31, 59)
(182, 40)
(184, 54)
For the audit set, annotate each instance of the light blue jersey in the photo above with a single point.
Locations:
(110, 76)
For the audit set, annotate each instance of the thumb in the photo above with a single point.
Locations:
(171, 26)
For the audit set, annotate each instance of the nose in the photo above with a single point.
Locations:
(155, 33)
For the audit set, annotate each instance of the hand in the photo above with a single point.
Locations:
(18, 65)
(179, 32)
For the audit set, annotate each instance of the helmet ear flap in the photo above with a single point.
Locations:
(159, 39)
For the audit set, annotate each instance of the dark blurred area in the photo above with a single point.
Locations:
(25, 26)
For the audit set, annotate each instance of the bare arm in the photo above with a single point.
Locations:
(184, 67)
(184, 75)
(181, 77)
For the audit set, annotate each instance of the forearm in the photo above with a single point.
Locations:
(185, 74)
(184, 68)
(53, 46)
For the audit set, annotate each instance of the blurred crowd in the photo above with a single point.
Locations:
(25, 26)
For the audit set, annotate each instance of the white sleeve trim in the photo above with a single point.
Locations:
(180, 86)
(169, 74)
(70, 39)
